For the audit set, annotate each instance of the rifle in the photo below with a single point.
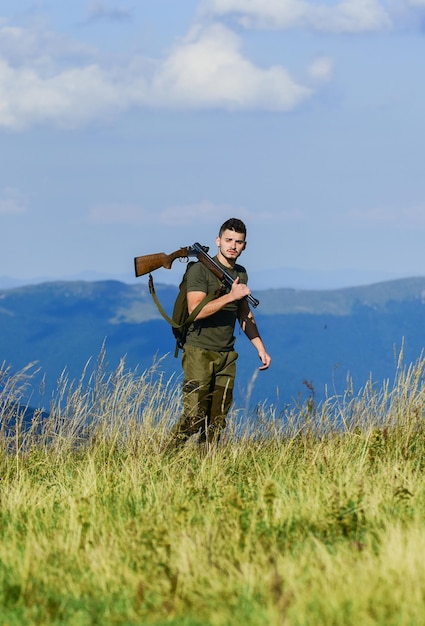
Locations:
(150, 262)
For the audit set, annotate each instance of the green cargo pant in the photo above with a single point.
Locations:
(208, 384)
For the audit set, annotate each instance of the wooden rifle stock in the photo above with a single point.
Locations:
(150, 262)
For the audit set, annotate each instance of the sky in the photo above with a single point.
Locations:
(129, 127)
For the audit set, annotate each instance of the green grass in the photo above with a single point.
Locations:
(311, 517)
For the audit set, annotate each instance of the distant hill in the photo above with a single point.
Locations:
(319, 336)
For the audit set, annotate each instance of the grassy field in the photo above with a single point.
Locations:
(314, 516)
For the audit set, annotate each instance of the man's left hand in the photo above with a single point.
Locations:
(266, 360)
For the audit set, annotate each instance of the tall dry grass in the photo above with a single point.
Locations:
(314, 515)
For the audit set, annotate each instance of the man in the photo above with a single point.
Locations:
(209, 359)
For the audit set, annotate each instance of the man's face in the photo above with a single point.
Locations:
(231, 245)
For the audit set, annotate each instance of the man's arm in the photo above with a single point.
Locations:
(237, 292)
(250, 328)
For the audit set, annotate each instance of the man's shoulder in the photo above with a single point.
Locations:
(239, 269)
(197, 276)
(196, 268)
(199, 272)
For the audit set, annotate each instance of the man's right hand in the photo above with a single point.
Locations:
(239, 290)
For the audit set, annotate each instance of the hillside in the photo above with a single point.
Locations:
(342, 301)
(314, 336)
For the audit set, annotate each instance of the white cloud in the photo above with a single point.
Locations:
(344, 16)
(206, 70)
(45, 78)
(12, 202)
(115, 213)
(398, 218)
(206, 212)
(321, 69)
(41, 48)
(203, 212)
(68, 98)
(103, 11)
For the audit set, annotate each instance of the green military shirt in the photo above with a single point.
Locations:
(217, 331)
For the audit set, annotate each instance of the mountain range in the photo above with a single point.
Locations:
(322, 341)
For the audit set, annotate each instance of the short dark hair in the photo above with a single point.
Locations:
(233, 224)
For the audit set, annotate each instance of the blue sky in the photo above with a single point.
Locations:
(133, 127)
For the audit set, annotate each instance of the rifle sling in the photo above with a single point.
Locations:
(191, 317)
